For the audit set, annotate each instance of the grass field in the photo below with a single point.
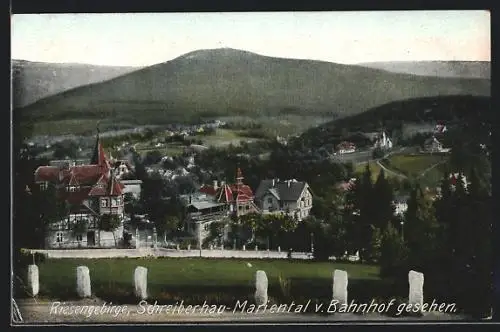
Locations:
(374, 167)
(211, 280)
(414, 165)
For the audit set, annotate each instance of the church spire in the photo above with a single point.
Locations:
(98, 156)
(95, 154)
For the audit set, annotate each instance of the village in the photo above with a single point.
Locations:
(104, 185)
(226, 165)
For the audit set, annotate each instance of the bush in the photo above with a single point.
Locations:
(25, 257)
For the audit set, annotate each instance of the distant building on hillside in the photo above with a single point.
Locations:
(434, 145)
(400, 204)
(345, 147)
(383, 141)
(440, 129)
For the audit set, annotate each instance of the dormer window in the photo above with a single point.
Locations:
(72, 189)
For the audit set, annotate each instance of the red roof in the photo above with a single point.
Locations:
(344, 144)
(229, 193)
(209, 190)
(81, 174)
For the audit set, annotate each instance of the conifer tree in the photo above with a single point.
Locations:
(383, 197)
(365, 205)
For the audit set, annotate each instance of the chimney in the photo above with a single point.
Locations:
(215, 184)
(288, 182)
(190, 199)
(274, 182)
(222, 183)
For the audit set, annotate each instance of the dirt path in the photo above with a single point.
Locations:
(49, 312)
(389, 171)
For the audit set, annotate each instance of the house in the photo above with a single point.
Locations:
(454, 180)
(238, 197)
(440, 129)
(291, 197)
(201, 210)
(434, 145)
(400, 204)
(346, 147)
(383, 141)
(217, 203)
(90, 192)
(346, 185)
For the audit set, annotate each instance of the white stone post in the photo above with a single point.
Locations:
(261, 284)
(189, 246)
(279, 249)
(33, 280)
(416, 289)
(244, 248)
(141, 282)
(83, 288)
(340, 282)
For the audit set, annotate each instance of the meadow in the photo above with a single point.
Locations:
(217, 281)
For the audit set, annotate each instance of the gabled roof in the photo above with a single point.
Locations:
(82, 174)
(345, 144)
(234, 192)
(107, 186)
(284, 190)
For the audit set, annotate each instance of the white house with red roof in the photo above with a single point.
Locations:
(346, 147)
(89, 191)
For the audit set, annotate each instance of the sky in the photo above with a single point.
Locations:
(144, 39)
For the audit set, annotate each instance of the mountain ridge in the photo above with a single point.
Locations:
(464, 69)
(218, 82)
(33, 80)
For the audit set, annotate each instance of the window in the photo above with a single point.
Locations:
(247, 207)
(114, 202)
(79, 238)
(104, 202)
(59, 237)
(44, 185)
(71, 189)
(270, 200)
(206, 227)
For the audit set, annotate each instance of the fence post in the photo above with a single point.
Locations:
(83, 287)
(340, 282)
(141, 282)
(416, 288)
(33, 280)
(261, 284)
